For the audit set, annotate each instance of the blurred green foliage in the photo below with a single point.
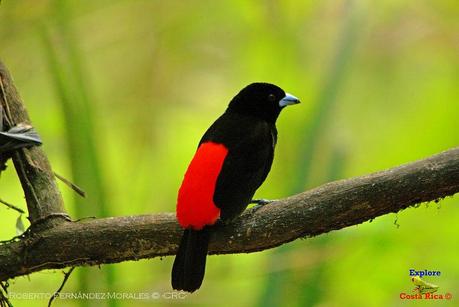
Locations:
(134, 84)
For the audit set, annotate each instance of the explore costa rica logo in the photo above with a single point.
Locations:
(424, 290)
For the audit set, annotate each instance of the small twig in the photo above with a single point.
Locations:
(4, 286)
(71, 185)
(396, 221)
(66, 277)
(11, 206)
(4, 301)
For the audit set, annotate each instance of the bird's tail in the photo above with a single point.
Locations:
(190, 262)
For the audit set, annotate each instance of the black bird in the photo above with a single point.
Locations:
(232, 160)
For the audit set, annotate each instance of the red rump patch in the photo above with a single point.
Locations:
(195, 204)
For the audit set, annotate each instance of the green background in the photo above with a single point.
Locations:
(121, 92)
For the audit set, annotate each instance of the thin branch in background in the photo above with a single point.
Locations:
(66, 277)
(4, 301)
(71, 185)
(4, 286)
(11, 206)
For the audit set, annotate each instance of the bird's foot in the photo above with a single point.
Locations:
(261, 202)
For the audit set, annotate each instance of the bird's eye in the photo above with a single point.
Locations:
(271, 97)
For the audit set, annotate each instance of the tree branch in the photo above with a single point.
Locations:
(108, 240)
(34, 171)
(329, 207)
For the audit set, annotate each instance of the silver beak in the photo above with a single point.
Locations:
(288, 100)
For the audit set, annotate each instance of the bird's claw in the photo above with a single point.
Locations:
(261, 202)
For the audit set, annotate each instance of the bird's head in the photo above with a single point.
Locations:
(262, 100)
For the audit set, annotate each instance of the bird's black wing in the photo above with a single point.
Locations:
(250, 143)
